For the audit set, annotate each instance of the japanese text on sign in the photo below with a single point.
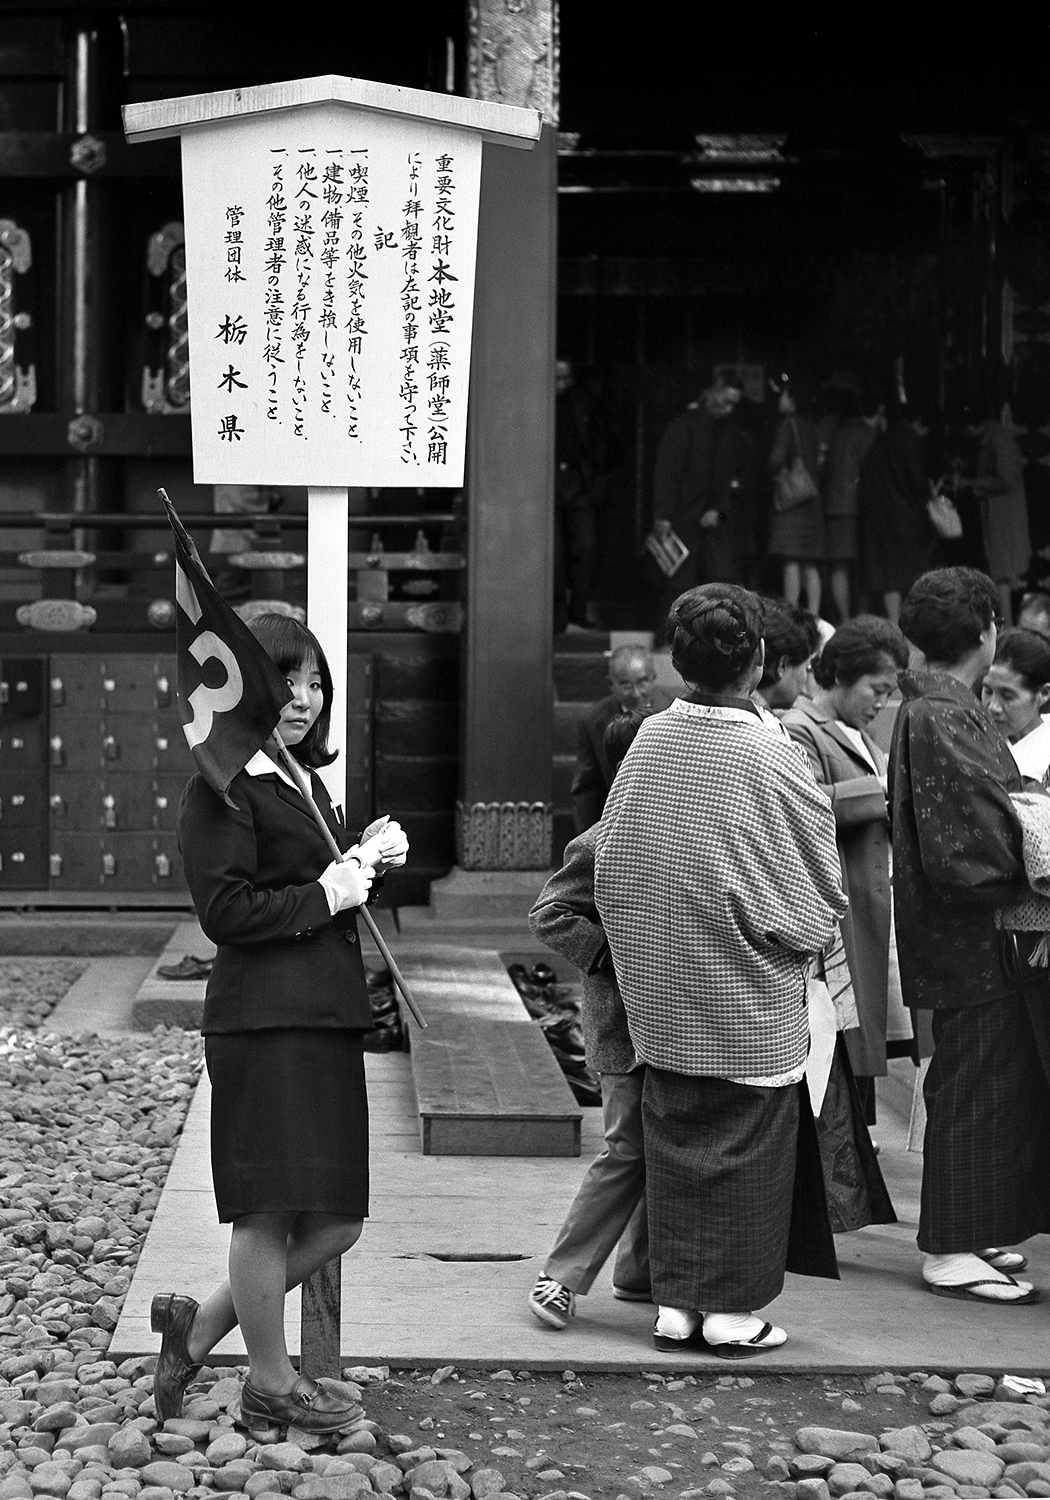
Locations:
(330, 259)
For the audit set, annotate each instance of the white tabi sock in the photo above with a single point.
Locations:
(964, 1267)
(737, 1328)
(677, 1322)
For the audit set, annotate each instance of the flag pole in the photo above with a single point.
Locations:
(296, 772)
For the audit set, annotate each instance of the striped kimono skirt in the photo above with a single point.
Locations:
(987, 1095)
(735, 1191)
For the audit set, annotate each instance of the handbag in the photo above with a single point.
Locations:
(944, 518)
(793, 485)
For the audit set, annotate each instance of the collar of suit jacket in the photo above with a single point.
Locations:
(261, 765)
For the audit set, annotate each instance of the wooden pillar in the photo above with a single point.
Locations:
(504, 812)
(87, 323)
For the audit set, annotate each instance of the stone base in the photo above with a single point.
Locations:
(479, 894)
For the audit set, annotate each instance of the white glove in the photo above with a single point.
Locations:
(384, 844)
(346, 883)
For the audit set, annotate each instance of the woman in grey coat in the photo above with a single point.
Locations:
(856, 674)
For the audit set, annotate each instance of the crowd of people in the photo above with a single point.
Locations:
(765, 907)
(831, 497)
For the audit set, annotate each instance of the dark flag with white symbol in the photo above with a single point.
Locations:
(230, 693)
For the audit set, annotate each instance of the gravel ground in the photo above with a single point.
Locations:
(31, 988)
(88, 1127)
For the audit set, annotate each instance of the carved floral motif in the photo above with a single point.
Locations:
(512, 53)
(504, 835)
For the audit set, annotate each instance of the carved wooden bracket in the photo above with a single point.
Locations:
(504, 835)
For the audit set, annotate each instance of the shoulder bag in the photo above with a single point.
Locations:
(793, 485)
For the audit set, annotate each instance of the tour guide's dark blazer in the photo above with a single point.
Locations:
(282, 959)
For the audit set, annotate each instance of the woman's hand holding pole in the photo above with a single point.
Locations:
(348, 880)
(295, 770)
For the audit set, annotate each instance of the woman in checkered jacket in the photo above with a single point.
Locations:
(717, 878)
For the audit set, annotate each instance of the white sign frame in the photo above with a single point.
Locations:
(500, 124)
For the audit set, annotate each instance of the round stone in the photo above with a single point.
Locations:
(966, 1466)
(834, 1442)
(169, 1476)
(910, 1442)
(843, 1478)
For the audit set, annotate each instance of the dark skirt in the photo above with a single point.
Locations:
(289, 1122)
(841, 539)
(984, 1179)
(853, 1180)
(798, 535)
(734, 1190)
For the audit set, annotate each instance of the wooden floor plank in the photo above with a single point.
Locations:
(486, 1080)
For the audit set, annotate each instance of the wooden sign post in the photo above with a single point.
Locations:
(331, 239)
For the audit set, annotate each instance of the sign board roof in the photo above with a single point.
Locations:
(503, 124)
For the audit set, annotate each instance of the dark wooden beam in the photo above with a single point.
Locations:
(56, 154)
(118, 435)
(508, 692)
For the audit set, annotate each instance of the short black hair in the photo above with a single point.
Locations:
(1028, 653)
(858, 647)
(619, 735)
(289, 645)
(788, 631)
(947, 610)
(715, 630)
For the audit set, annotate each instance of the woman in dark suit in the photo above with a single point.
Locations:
(856, 674)
(284, 1014)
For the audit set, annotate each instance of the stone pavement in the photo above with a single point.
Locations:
(454, 1243)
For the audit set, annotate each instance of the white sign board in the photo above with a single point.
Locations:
(330, 257)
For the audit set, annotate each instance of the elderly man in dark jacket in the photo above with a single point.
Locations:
(957, 850)
(632, 677)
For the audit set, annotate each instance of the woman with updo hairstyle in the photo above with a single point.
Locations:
(715, 632)
(1016, 694)
(856, 676)
(716, 880)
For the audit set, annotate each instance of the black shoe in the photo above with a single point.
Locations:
(307, 1406)
(172, 1317)
(188, 967)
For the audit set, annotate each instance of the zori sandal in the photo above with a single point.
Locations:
(1003, 1260)
(766, 1338)
(966, 1291)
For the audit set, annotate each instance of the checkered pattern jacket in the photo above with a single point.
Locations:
(717, 878)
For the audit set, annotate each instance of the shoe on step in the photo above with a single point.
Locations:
(172, 1315)
(188, 967)
(552, 1303)
(307, 1406)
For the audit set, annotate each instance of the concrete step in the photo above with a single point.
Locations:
(174, 1002)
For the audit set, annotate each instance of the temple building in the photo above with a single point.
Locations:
(743, 197)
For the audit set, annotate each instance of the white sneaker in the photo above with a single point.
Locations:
(552, 1303)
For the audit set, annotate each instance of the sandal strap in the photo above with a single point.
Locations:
(763, 1333)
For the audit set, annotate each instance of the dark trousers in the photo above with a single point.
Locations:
(985, 1179)
(575, 548)
(720, 1163)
